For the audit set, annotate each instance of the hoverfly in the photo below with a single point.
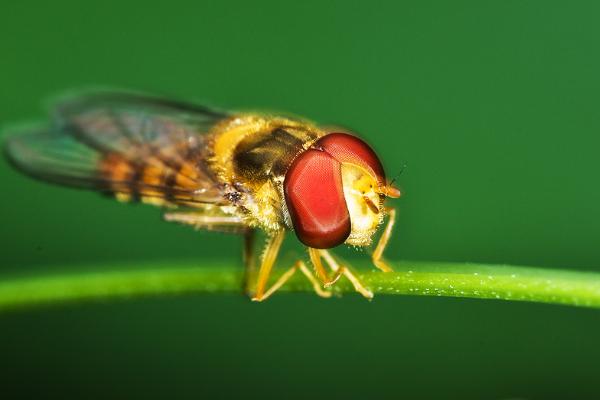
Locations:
(231, 172)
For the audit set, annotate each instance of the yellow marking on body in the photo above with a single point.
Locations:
(266, 206)
(187, 177)
(153, 175)
(229, 133)
(155, 201)
(115, 167)
(123, 197)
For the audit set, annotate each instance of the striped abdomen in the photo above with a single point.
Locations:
(159, 180)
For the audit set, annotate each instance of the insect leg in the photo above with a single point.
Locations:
(333, 264)
(266, 265)
(377, 256)
(315, 259)
(248, 256)
(268, 261)
(209, 221)
(289, 273)
(315, 282)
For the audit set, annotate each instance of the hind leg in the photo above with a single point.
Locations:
(248, 258)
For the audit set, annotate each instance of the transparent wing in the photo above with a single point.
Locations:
(131, 123)
(130, 144)
(54, 157)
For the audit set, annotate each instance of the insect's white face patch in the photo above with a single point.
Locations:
(360, 189)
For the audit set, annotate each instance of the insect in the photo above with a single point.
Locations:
(230, 172)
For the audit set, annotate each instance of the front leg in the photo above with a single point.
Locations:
(268, 260)
(315, 259)
(340, 269)
(377, 256)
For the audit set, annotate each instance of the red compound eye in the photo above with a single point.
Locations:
(349, 149)
(315, 199)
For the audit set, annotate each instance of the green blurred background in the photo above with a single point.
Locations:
(493, 107)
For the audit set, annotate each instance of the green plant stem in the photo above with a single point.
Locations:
(411, 278)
